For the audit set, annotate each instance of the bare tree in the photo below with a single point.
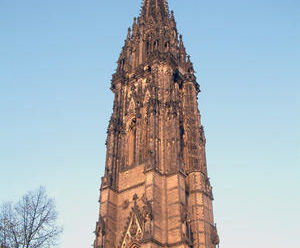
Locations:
(29, 223)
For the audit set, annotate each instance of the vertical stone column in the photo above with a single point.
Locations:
(154, 196)
(107, 217)
(200, 209)
(176, 205)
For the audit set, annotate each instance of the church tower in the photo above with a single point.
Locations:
(155, 191)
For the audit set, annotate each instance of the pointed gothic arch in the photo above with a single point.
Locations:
(131, 141)
(133, 232)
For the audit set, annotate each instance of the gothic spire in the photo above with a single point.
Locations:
(157, 9)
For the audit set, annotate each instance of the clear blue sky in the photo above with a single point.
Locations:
(56, 61)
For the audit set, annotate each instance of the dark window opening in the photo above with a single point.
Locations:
(176, 76)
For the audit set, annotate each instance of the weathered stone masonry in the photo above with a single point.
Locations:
(155, 191)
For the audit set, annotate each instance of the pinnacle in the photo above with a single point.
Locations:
(157, 9)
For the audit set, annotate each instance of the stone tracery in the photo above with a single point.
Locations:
(155, 144)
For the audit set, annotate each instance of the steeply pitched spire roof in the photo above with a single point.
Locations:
(153, 34)
(158, 9)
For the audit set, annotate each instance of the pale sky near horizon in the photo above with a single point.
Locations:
(56, 61)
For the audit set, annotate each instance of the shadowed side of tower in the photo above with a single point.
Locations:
(155, 191)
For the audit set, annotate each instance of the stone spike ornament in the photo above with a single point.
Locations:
(157, 9)
(155, 191)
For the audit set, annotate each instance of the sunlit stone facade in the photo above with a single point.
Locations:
(155, 191)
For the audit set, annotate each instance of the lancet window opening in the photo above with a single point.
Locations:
(148, 47)
(131, 143)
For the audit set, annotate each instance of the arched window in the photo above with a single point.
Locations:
(131, 142)
(122, 64)
(155, 46)
(167, 46)
(176, 75)
(147, 47)
(130, 58)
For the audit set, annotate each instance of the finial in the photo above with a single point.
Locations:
(134, 26)
(129, 33)
(156, 9)
(135, 198)
(134, 23)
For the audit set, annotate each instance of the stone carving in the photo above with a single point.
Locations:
(107, 179)
(153, 106)
(102, 225)
(144, 198)
(214, 235)
(133, 228)
(135, 198)
(133, 233)
(100, 232)
(208, 188)
(148, 217)
(125, 204)
(202, 135)
(183, 218)
(172, 108)
(185, 223)
(116, 124)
